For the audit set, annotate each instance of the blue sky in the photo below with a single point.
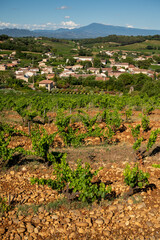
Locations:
(53, 14)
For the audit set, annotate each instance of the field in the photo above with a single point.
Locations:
(60, 48)
(137, 47)
(39, 212)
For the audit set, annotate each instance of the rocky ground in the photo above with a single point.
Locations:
(38, 212)
(41, 213)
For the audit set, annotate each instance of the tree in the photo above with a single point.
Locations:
(114, 68)
(97, 63)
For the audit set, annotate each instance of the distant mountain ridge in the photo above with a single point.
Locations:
(92, 30)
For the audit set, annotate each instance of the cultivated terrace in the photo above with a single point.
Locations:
(80, 138)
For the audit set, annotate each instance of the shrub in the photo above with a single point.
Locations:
(135, 177)
(145, 123)
(76, 183)
(4, 207)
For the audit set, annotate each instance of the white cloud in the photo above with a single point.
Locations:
(129, 26)
(8, 25)
(62, 7)
(45, 26)
(69, 24)
(67, 17)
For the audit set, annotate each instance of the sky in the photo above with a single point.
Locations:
(54, 14)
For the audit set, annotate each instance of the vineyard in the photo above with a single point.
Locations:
(79, 166)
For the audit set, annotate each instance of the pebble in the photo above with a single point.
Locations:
(55, 217)
(99, 221)
(21, 230)
(30, 228)
(2, 230)
(81, 224)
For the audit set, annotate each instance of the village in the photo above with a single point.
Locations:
(113, 64)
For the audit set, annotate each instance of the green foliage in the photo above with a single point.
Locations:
(4, 207)
(137, 143)
(156, 165)
(70, 135)
(145, 123)
(128, 113)
(152, 139)
(148, 110)
(136, 131)
(27, 114)
(78, 181)
(87, 121)
(6, 153)
(135, 177)
(41, 143)
(65, 130)
(112, 119)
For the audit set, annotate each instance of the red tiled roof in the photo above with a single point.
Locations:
(45, 82)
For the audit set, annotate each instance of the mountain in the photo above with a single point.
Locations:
(90, 31)
(14, 32)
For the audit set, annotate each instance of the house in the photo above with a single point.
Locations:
(131, 68)
(103, 62)
(47, 69)
(106, 70)
(41, 64)
(68, 67)
(77, 66)
(122, 70)
(94, 70)
(115, 74)
(11, 65)
(50, 76)
(2, 67)
(109, 53)
(79, 59)
(34, 70)
(48, 84)
(120, 65)
(21, 77)
(112, 60)
(66, 73)
(29, 74)
(140, 58)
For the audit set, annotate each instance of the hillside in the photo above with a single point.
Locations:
(90, 31)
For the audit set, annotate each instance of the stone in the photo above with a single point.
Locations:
(127, 223)
(55, 217)
(2, 230)
(106, 233)
(12, 173)
(141, 205)
(72, 235)
(17, 237)
(21, 230)
(36, 220)
(81, 224)
(41, 209)
(30, 228)
(80, 230)
(67, 220)
(36, 230)
(99, 221)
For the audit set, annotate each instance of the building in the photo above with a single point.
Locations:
(2, 67)
(48, 84)
(76, 67)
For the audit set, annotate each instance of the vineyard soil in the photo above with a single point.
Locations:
(38, 212)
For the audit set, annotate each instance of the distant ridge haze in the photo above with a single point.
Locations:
(92, 30)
